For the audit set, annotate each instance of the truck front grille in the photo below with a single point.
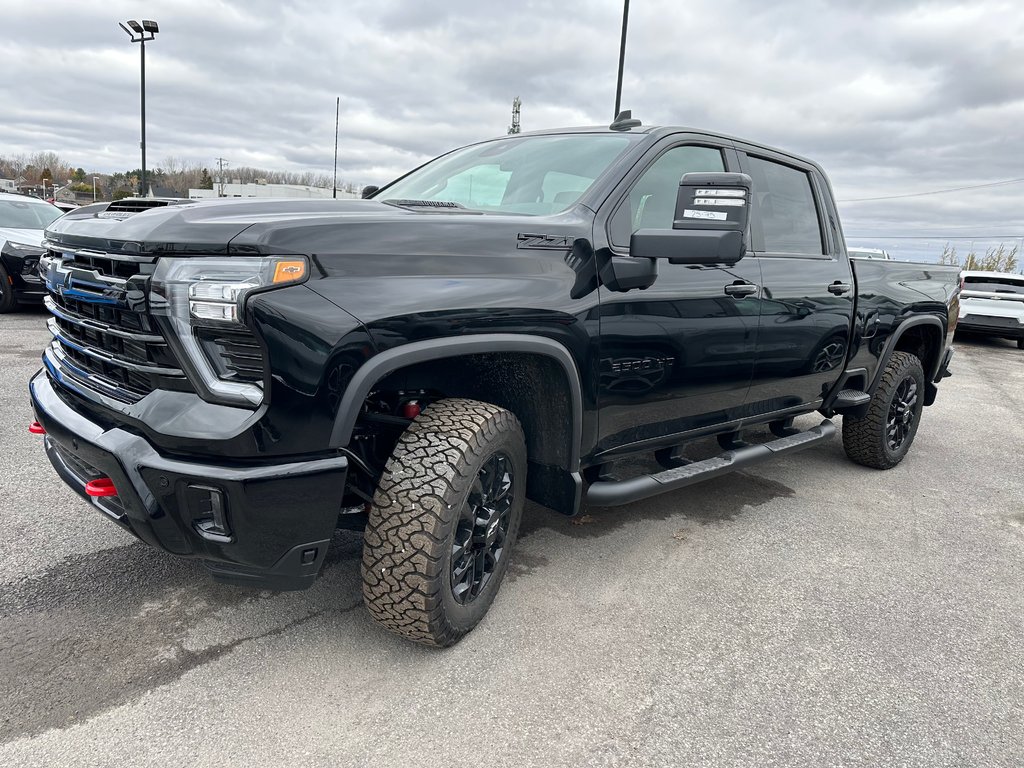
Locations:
(103, 336)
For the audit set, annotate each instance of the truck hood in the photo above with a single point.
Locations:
(194, 227)
(317, 228)
(24, 236)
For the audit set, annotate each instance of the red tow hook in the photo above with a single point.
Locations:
(101, 486)
(36, 428)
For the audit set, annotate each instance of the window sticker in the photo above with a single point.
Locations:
(689, 213)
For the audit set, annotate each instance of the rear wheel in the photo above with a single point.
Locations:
(7, 301)
(884, 435)
(443, 521)
(1020, 343)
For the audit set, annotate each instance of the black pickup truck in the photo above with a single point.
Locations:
(234, 380)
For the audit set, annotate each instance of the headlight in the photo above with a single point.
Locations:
(202, 300)
(22, 257)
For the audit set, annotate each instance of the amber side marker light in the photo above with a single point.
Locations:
(289, 271)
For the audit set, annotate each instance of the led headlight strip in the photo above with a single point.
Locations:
(210, 291)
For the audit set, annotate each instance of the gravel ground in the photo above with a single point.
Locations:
(809, 612)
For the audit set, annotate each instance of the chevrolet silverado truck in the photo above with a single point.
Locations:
(235, 380)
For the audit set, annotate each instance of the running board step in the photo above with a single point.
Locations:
(850, 398)
(611, 493)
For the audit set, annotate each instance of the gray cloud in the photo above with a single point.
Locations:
(890, 97)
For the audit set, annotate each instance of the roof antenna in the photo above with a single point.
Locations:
(624, 121)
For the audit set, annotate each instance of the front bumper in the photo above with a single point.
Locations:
(278, 519)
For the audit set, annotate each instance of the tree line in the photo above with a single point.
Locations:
(174, 175)
(999, 258)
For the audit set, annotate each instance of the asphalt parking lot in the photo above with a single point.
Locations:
(811, 612)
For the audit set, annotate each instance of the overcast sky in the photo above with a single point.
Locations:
(892, 97)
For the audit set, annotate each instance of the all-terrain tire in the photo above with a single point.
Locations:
(867, 439)
(418, 508)
(7, 301)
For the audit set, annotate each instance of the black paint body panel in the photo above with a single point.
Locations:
(638, 369)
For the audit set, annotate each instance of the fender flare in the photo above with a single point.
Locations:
(391, 360)
(890, 346)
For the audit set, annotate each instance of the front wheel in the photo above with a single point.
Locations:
(7, 300)
(884, 435)
(443, 521)
(1020, 343)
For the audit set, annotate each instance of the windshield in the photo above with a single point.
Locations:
(27, 214)
(533, 175)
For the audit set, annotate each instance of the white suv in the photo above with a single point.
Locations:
(992, 303)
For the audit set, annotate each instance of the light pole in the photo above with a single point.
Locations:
(141, 33)
(94, 189)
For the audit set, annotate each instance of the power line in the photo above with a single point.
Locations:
(935, 237)
(934, 191)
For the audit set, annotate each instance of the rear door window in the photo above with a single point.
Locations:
(784, 205)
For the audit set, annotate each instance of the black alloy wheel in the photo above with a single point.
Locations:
(901, 413)
(882, 436)
(444, 520)
(482, 529)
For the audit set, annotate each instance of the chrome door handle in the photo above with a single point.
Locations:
(740, 290)
(839, 288)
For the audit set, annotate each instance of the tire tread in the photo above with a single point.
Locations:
(864, 438)
(423, 482)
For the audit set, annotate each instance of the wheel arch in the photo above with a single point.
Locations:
(921, 336)
(534, 377)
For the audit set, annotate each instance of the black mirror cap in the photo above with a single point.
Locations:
(369, 190)
(689, 246)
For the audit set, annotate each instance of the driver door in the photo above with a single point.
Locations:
(678, 356)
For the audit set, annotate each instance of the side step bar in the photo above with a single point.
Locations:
(611, 493)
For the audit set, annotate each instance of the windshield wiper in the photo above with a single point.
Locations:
(399, 203)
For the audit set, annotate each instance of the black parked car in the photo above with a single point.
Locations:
(22, 221)
(233, 380)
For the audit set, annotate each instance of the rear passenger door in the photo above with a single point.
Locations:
(807, 295)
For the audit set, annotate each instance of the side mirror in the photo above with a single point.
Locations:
(369, 190)
(710, 226)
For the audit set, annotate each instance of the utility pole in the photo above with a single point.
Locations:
(337, 114)
(221, 162)
(514, 128)
(622, 57)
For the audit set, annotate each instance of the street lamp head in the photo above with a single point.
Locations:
(140, 33)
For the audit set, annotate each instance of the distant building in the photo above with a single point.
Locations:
(8, 185)
(267, 190)
(157, 190)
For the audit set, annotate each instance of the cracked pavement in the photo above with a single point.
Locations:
(807, 612)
